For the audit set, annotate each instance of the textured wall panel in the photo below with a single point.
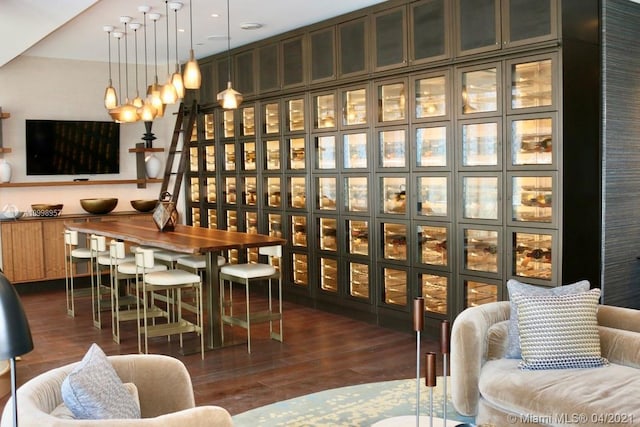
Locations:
(621, 153)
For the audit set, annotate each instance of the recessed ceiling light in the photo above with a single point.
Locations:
(250, 26)
(215, 15)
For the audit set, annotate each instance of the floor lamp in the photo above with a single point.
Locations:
(15, 335)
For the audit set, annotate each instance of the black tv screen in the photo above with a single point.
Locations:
(67, 147)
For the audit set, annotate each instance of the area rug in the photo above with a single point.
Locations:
(352, 406)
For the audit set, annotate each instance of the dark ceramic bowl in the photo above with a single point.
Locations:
(144, 205)
(99, 206)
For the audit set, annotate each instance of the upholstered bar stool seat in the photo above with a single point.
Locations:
(168, 257)
(248, 271)
(198, 262)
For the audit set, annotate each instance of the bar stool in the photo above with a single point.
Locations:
(246, 274)
(73, 255)
(97, 249)
(126, 268)
(167, 280)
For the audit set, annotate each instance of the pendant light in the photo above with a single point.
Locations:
(191, 76)
(128, 113)
(153, 91)
(137, 101)
(229, 98)
(115, 112)
(168, 92)
(110, 96)
(147, 112)
(176, 77)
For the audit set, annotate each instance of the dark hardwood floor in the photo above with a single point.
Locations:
(320, 351)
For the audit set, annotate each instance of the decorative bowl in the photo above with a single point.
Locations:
(42, 209)
(98, 206)
(144, 205)
(9, 213)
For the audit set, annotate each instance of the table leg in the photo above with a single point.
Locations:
(214, 334)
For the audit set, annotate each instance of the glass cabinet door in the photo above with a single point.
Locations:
(251, 223)
(298, 192)
(358, 237)
(325, 151)
(478, 25)
(532, 85)
(248, 127)
(356, 191)
(273, 192)
(271, 118)
(213, 218)
(209, 127)
(354, 107)
(358, 280)
(212, 190)
(328, 274)
(194, 184)
(431, 97)
(390, 39)
(432, 245)
(394, 241)
(274, 224)
(272, 155)
(328, 230)
(229, 157)
(193, 159)
(300, 269)
(531, 140)
(434, 292)
(250, 191)
(230, 190)
(299, 230)
(210, 158)
(481, 250)
(393, 195)
(433, 194)
(195, 217)
(295, 115)
(481, 197)
(480, 90)
(326, 193)
(530, 21)
(479, 292)
(532, 199)
(324, 111)
(431, 146)
(393, 148)
(249, 156)
(533, 256)
(355, 151)
(392, 102)
(353, 47)
(297, 152)
(395, 286)
(232, 220)
(429, 30)
(228, 125)
(481, 145)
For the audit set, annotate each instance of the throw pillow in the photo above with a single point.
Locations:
(93, 390)
(62, 411)
(516, 287)
(559, 332)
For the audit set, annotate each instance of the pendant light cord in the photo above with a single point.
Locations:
(155, 42)
(119, 70)
(166, 7)
(176, 31)
(126, 60)
(191, 24)
(135, 37)
(109, 41)
(146, 68)
(228, 42)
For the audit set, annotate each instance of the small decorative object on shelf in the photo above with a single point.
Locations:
(165, 214)
(5, 171)
(152, 165)
(148, 135)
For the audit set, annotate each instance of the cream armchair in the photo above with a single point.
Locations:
(164, 389)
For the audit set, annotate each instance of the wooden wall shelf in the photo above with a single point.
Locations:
(94, 182)
(5, 115)
(146, 150)
(5, 150)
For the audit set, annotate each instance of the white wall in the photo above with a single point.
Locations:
(39, 88)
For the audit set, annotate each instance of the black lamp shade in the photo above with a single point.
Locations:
(15, 335)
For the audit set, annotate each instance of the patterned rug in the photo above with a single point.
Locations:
(352, 406)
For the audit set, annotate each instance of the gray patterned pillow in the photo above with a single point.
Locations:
(516, 287)
(559, 332)
(93, 390)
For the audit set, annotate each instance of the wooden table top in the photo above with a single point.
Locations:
(184, 238)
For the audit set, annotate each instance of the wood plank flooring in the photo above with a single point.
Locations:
(320, 351)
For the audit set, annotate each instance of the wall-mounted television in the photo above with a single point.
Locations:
(72, 147)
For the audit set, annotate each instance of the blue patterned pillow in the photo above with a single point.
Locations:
(559, 332)
(93, 390)
(516, 287)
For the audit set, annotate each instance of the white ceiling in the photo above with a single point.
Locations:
(73, 29)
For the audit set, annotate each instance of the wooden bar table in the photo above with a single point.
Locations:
(186, 239)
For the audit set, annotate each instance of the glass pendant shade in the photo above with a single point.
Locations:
(229, 98)
(115, 113)
(168, 93)
(110, 97)
(176, 81)
(137, 101)
(128, 113)
(147, 112)
(191, 77)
